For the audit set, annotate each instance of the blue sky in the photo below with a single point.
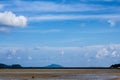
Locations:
(66, 32)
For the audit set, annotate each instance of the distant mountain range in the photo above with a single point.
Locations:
(54, 66)
(19, 66)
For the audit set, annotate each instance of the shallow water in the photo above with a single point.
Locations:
(74, 77)
(92, 77)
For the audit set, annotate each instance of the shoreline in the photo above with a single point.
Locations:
(113, 74)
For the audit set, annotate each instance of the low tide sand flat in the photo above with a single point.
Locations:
(59, 74)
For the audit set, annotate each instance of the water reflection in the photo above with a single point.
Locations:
(73, 77)
(91, 77)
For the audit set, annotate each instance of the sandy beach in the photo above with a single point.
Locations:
(59, 74)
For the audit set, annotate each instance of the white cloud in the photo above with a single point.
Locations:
(96, 51)
(49, 6)
(44, 6)
(108, 51)
(8, 18)
(111, 19)
(72, 17)
(106, 54)
(115, 54)
(53, 7)
(12, 51)
(102, 53)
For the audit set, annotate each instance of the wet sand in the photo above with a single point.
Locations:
(59, 74)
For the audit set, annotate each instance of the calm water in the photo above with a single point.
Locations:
(75, 77)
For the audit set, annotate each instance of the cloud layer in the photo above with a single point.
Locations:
(96, 55)
(73, 17)
(10, 19)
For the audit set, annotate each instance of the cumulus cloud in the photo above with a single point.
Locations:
(102, 53)
(9, 19)
(108, 51)
(10, 53)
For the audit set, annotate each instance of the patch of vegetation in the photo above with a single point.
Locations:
(115, 66)
(14, 66)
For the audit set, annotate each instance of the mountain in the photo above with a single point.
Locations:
(54, 66)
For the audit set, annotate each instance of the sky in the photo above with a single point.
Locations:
(71, 33)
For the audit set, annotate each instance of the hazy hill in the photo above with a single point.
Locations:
(53, 66)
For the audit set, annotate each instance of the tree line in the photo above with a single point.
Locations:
(115, 66)
(16, 66)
